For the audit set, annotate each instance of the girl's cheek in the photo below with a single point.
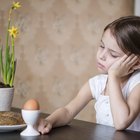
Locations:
(111, 63)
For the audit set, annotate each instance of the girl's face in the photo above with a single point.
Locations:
(108, 52)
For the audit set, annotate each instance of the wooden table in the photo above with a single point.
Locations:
(77, 130)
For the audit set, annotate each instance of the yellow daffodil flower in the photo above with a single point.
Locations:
(13, 31)
(7, 53)
(16, 5)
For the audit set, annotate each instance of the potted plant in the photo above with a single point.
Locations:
(8, 63)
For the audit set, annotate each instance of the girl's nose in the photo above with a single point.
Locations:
(103, 56)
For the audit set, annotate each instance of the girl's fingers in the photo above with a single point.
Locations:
(40, 126)
(47, 129)
(123, 59)
(44, 127)
(136, 67)
(130, 60)
(133, 60)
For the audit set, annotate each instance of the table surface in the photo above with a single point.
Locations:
(77, 130)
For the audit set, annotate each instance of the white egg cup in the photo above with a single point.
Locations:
(30, 117)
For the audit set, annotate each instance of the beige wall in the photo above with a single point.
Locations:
(57, 46)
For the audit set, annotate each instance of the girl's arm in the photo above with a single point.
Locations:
(123, 112)
(64, 115)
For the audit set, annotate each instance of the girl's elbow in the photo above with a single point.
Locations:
(120, 126)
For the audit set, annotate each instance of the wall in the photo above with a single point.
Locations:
(57, 46)
(137, 7)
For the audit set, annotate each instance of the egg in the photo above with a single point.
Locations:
(31, 104)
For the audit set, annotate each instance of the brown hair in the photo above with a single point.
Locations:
(126, 31)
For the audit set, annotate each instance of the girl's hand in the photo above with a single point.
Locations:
(44, 126)
(124, 66)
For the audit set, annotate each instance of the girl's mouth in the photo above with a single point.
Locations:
(99, 65)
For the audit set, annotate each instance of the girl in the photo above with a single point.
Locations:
(117, 89)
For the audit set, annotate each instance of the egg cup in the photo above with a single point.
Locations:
(30, 117)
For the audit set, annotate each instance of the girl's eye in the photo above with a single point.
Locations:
(102, 46)
(114, 56)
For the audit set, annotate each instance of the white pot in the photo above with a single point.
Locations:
(6, 98)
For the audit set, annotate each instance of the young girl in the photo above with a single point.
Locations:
(117, 89)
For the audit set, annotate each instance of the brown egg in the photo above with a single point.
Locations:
(31, 104)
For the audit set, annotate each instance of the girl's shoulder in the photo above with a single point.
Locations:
(135, 77)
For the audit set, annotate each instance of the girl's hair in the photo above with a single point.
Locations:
(126, 31)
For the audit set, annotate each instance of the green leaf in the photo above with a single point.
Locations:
(7, 64)
(4, 75)
(8, 60)
(1, 62)
(13, 73)
(9, 74)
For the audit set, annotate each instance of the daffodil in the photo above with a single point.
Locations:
(7, 60)
(13, 31)
(16, 5)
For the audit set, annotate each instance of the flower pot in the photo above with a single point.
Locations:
(6, 98)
